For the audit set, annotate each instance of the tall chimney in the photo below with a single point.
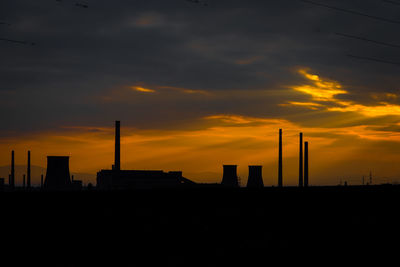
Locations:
(280, 181)
(301, 161)
(12, 180)
(117, 162)
(255, 177)
(28, 172)
(305, 164)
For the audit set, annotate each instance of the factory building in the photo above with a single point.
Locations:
(117, 179)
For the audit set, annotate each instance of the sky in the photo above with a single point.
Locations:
(197, 86)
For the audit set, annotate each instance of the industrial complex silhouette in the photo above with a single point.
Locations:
(58, 174)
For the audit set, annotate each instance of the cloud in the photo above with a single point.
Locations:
(323, 91)
(143, 90)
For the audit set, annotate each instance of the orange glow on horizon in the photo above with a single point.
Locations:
(200, 154)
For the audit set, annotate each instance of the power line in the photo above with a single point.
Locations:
(351, 12)
(375, 60)
(366, 39)
(16, 41)
(392, 2)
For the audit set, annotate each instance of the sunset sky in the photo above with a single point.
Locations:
(196, 87)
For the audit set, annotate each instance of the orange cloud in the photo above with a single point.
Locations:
(141, 89)
(320, 90)
(185, 90)
(325, 91)
(310, 105)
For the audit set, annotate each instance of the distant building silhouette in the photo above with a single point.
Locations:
(2, 181)
(229, 177)
(255, 177)
(76, 184)
(41, 181)
(280, 178)
(301, 161)
(117, 179)
(57, 174)
(137, 179)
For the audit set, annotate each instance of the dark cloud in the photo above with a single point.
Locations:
(228, 46)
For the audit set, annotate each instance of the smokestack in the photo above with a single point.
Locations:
(12, 179)
(57, 174)
(229, 177)
(255, 177)
(117, 162)
(28, 172)
(301, 161)
(305, 164)
(280, 181)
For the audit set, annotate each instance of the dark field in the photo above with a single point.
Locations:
(202, 227)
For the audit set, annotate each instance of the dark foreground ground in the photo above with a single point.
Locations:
(202, 227)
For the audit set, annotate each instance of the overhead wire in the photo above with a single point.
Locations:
(351, 11)
(374, 59)
(366, 39)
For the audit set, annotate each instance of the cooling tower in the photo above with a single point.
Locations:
(229, 177)
(57, 175)
(255, 177)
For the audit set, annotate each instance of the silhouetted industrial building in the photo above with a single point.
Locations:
(255, 177)
(136, 179)
(76, 185)
(229, 177)
(57, 174)
(117, 179)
